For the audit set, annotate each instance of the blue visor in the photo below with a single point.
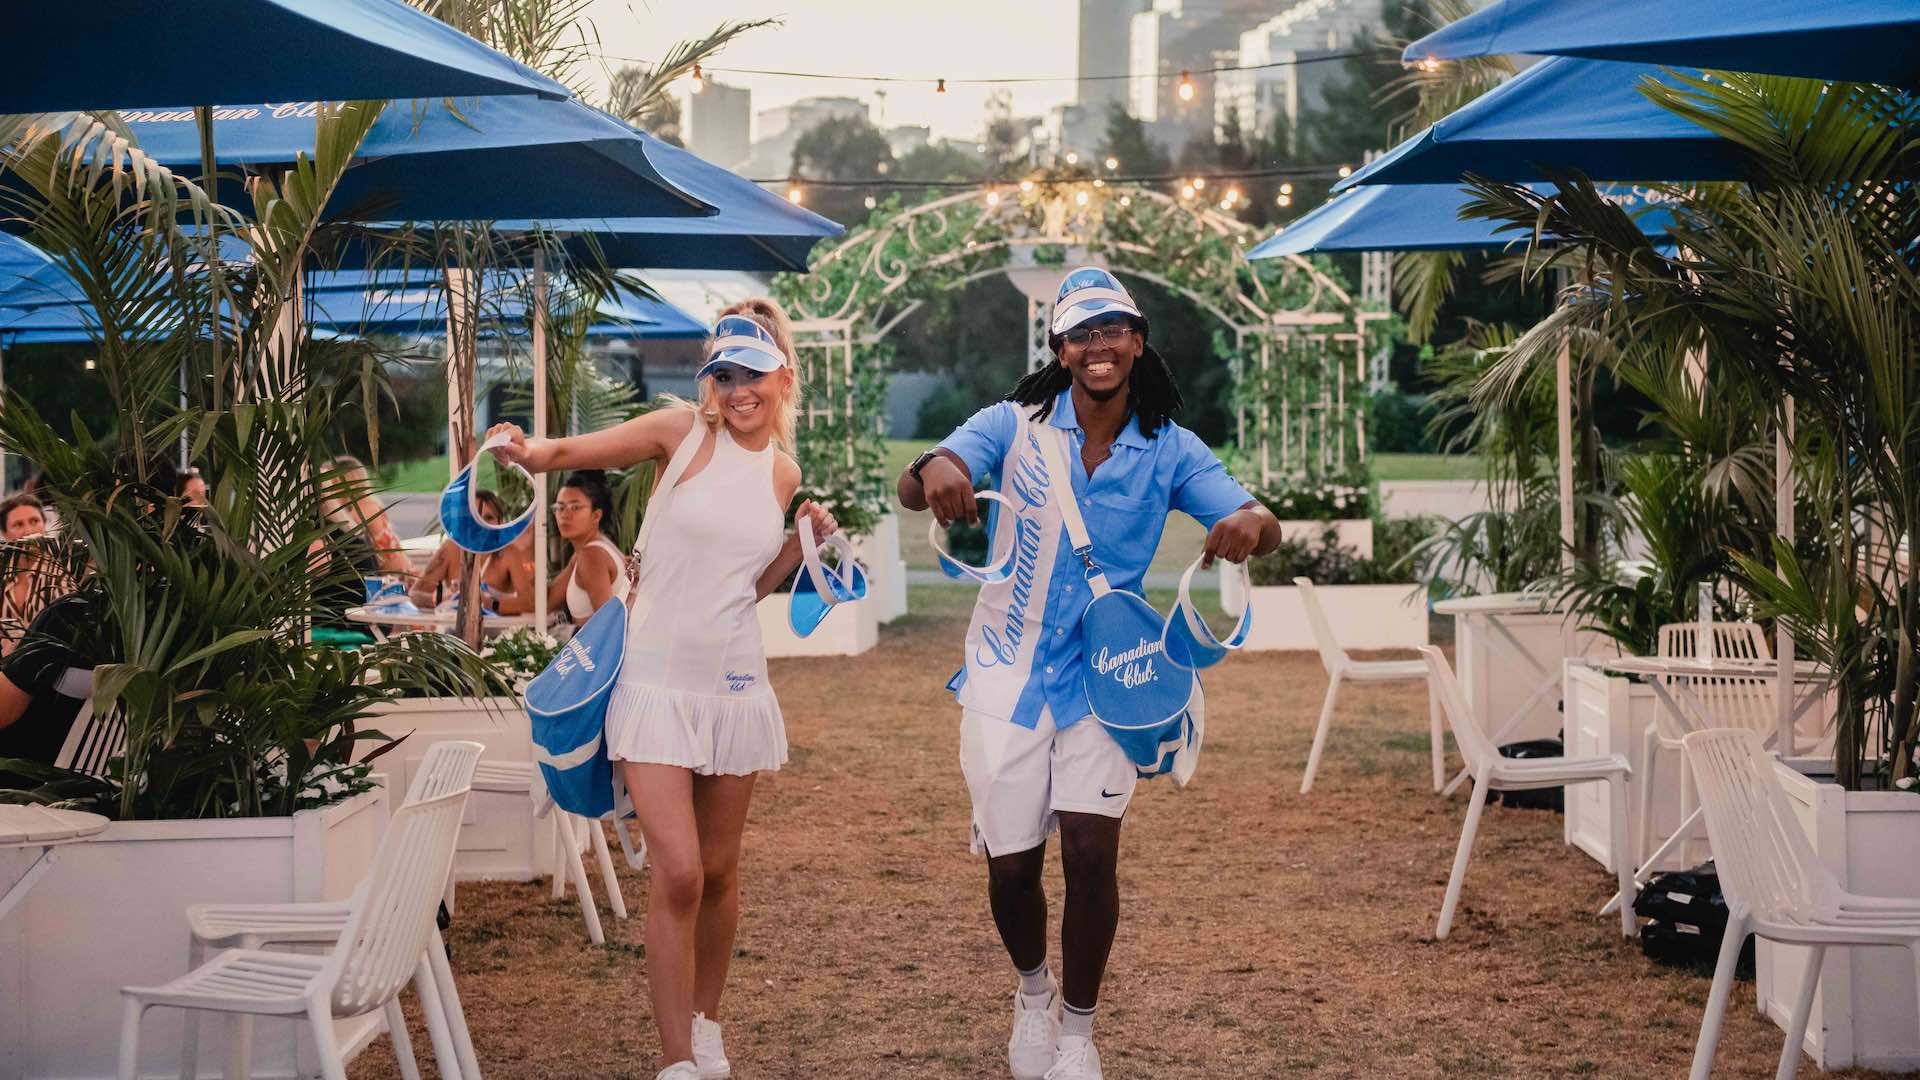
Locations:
(460, 508)
(819, 588)
(1089, 293)
(739, 340)
(999, 569)
(1188, 641)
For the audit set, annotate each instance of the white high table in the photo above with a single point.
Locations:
(1508, 649)
(1670, 678)
(27, 826)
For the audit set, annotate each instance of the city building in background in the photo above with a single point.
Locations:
(720, 124)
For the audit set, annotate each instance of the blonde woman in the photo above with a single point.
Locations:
(692, 719)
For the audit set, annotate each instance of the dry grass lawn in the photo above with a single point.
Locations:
(1262, 933)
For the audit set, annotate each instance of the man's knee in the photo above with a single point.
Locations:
(1018, 872)
(1089, 847)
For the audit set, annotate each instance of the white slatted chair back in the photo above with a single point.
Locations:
(95, 738)
(1730, 702)
(447, 766)
(1766, 866)
(1475, 747)
(393, 914)
(1731, 640)
(1331, 654)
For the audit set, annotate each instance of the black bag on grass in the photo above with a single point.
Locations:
(1689, 916)
(1538, 798)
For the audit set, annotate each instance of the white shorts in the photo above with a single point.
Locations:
(1021, 778)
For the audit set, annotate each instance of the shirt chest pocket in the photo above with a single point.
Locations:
(1125, 530)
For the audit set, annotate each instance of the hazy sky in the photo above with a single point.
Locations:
(929, 39)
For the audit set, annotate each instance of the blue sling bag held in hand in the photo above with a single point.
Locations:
(567, 703)
(1143, 701)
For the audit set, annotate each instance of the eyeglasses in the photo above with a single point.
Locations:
(1095, 335)
(571, 507)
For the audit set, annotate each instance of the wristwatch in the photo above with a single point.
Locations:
(922, 461)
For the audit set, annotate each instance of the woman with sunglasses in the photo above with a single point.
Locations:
(692, 718)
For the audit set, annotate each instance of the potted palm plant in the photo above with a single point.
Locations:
(1801, 285)
(237, 777)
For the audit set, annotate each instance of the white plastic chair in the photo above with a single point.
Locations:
(1775, 885)
(1492, 772)
(522, 778)
(1729, 702)
(447, 767)
(1341, 668)
(382, 947)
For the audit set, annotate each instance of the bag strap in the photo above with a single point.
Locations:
(664, 483)
(1054, 450)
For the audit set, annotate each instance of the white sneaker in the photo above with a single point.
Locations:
(679, 1070)
(1076, 1059)
(709, 1053)
(1030, 1052)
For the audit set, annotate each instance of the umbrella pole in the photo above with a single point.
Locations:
(203, 120)
(1563, 396)
(1783, 527)
(4, 486)
(539, 432)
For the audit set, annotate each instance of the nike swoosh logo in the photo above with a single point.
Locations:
(1105, 794)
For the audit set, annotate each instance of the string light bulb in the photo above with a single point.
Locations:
(1080, 198)
(1112, 163)
(1233, 195)
(794, 194)
(89, 363)
(870, 202)
(1430, 64)
(1285, 200)
(1346, 171)
(699, 82)
(993, 196)
(1026, 185)
(1286, 189)
(1126, 200)
(1185, 89)
(940, 86)
(1073, 158)
(1186, 191)
(1097, 182)
(1199, 183)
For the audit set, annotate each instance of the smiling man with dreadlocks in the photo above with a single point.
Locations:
(1034, 758)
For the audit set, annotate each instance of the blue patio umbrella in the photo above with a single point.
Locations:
(499, 157)
(1849, 40)
(1564, 113)
(753, 230)
(1424, 217)
(350, 302)
(122, 54)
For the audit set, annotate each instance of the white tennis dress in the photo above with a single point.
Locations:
(579, 604)
(693, 686)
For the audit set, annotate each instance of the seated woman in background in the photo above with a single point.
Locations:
(505, 574)
(357, 512)
(31, 579)
(596, 568)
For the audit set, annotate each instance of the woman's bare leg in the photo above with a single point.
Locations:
(663, 801)
(720, 808)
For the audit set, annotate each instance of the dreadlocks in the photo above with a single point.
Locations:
(1152, 395)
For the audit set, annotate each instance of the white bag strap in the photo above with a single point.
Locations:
(1055, 451)
(662, 484)
(842, 571)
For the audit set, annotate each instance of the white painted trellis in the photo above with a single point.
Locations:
(878, 275)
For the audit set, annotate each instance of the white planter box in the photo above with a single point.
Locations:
(1864, 1012)
(1356, 533)
(1362, 616)
(112, 913)
(1608, 714)
(886, 570)
(1497, 681)
(848, 630)
(500, 839)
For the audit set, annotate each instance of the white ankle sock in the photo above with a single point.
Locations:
(1034, 983)
(1077, 1021)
